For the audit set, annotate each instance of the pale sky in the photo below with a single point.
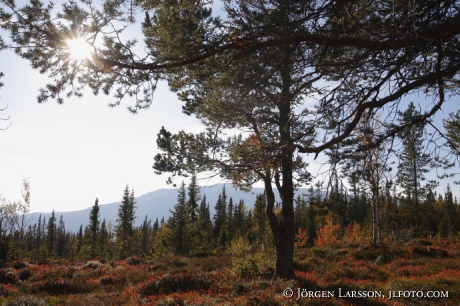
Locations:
(82, 149)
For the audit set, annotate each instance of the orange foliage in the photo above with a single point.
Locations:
(301, 238)
(354, 234)
(328, 234)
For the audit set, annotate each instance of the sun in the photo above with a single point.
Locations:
(79, 48)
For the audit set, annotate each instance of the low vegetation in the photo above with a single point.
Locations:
(244, 277)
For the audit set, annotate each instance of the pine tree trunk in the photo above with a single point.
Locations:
(283, 236)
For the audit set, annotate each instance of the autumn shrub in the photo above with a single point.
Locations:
(135, 276)
(428, 251)
(26, 301)
(354, 235)
(133, 261)
(25, 274)
(379, 254)
(8, 276)
(92, 265)
(301, 238)
(178, 262)
(7, 290)
(20, 264)
(210, 263)
(60, 286)
(247, 260)
(118, 281)
(328, 234)
(175, 282)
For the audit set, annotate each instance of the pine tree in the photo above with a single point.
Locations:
(452, 126)
(94, 227)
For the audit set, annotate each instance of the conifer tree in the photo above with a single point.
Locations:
(260, 222)
(38, 239)
(448, 220)
(155, 228)
(230, 221)
(313, 200)
(412, 167)
(452, 126)
(51, 234)
(239, 219)
(145, 236)
(61, 238)
(124, 229)
(178, 224)
(193, 198)
(220, 213)
(429, 224)
(79, 240)
(102, 240)
(94, 227)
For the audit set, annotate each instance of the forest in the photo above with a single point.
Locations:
(363, 83)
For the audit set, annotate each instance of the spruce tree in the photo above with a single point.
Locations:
(448, 220)
(145, 236)
(51, 234)
(61, 238)
(38, 239)
(193, 198)
(178, 224)
(220, 213)
(94, 227)
(102, 240)
(412, 167)
(155, 228)
(230, 220)
(126, 217)
(239, 217)
(79, 239)
(260, 222)
(206, 226)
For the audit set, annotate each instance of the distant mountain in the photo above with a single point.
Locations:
(155, 204)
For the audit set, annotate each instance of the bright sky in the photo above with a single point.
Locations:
(82, 149)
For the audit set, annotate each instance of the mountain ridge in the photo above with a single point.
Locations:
(154, 204)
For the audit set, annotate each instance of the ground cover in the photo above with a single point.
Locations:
(418, 272)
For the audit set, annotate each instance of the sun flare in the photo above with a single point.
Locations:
(79, 48)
